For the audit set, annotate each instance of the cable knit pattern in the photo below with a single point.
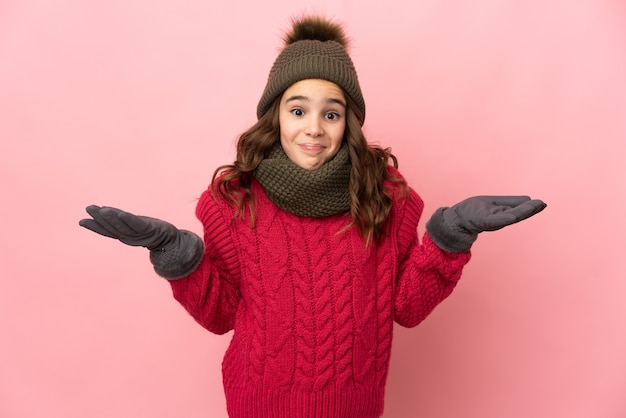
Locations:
(312, 307)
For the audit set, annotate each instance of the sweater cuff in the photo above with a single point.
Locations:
(449, 236)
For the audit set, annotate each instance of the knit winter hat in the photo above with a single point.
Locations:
(314, 48)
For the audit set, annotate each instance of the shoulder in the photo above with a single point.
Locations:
(406, 210)
(209, 204)
(217, 218)
(213, 206)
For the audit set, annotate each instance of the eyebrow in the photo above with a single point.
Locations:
(329, 100)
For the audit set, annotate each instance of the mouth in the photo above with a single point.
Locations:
(312, 147)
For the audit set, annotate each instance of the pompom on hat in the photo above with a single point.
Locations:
(314, 48)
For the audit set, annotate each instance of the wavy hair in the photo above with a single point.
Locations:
(370, 202)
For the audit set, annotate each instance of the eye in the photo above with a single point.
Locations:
(297, 112)
(332, 115)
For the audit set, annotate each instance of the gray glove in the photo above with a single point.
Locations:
(456, 228)
(174, 253)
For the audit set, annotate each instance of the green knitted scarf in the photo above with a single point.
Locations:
(311, 193)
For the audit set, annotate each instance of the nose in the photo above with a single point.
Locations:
(314, 128)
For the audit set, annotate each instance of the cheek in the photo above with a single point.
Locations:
(285, 136)
(338, 134)
(286, 129)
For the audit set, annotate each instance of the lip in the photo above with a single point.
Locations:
(312, 147)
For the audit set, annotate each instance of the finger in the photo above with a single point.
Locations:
(513, 215)
(100, 224)
(93, 210)
(106, 217)
(124, 223)
(510, 201)
(97, 228)
(495, 221)
(528, 209)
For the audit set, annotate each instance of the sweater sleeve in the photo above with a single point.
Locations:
(211, 293)
(426, 274)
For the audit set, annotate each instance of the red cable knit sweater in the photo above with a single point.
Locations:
(312, 308)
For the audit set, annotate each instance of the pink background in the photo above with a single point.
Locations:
(135, 103)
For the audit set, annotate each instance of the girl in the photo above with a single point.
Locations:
(310, 249)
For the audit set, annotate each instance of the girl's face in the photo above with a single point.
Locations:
(312, 116)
